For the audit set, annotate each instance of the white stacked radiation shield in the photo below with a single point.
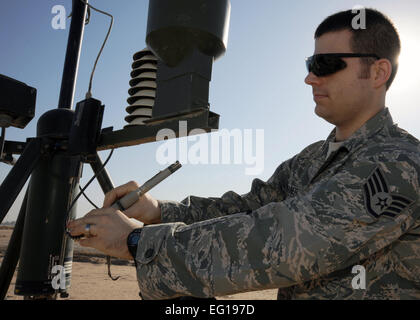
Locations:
(142, 88)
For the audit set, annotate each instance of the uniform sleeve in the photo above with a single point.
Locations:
(330, 227)
(194, 209)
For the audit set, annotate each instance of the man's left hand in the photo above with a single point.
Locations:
(109, 229)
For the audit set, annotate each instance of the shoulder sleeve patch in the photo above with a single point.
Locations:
(379, 201)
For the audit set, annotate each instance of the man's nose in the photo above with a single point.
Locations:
(312, 79)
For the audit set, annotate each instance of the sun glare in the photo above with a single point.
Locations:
(407, 78)
(403, 94)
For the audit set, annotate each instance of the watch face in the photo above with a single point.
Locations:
(132, 242)
(134, 237)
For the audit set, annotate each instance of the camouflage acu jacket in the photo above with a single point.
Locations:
(303, 230)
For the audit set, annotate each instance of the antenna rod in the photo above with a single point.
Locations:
(71, 62)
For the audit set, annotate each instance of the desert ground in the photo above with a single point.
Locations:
(90, 280)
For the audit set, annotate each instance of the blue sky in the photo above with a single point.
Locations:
(257, 84)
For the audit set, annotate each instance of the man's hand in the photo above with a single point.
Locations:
(146, 209)
(109, 229)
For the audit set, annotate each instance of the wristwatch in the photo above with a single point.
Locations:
(132, 241)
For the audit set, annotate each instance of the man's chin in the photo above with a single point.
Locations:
(322, 112)
(319, 110)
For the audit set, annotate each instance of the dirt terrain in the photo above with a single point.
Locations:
(90, 280)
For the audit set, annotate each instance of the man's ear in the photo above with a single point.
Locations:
(382, 70)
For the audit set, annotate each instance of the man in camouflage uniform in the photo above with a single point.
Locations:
(350, 200)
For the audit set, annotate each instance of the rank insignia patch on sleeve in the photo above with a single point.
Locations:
(379, 201)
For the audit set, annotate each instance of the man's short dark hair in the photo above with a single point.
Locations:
(380, 37)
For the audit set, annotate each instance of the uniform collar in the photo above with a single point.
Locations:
(371, 127)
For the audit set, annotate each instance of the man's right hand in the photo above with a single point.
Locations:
(146, 209)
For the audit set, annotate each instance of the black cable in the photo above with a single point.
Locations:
(82, 191)
(87, 198)
(3, 134)
(85, 187)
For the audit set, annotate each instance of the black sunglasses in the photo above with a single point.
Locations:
(325, 64)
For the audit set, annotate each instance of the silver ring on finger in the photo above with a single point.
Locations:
(87, 230)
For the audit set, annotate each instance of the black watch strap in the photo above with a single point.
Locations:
(132, 242)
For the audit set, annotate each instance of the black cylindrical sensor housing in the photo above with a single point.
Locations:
(176, 27)
(86, 128)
